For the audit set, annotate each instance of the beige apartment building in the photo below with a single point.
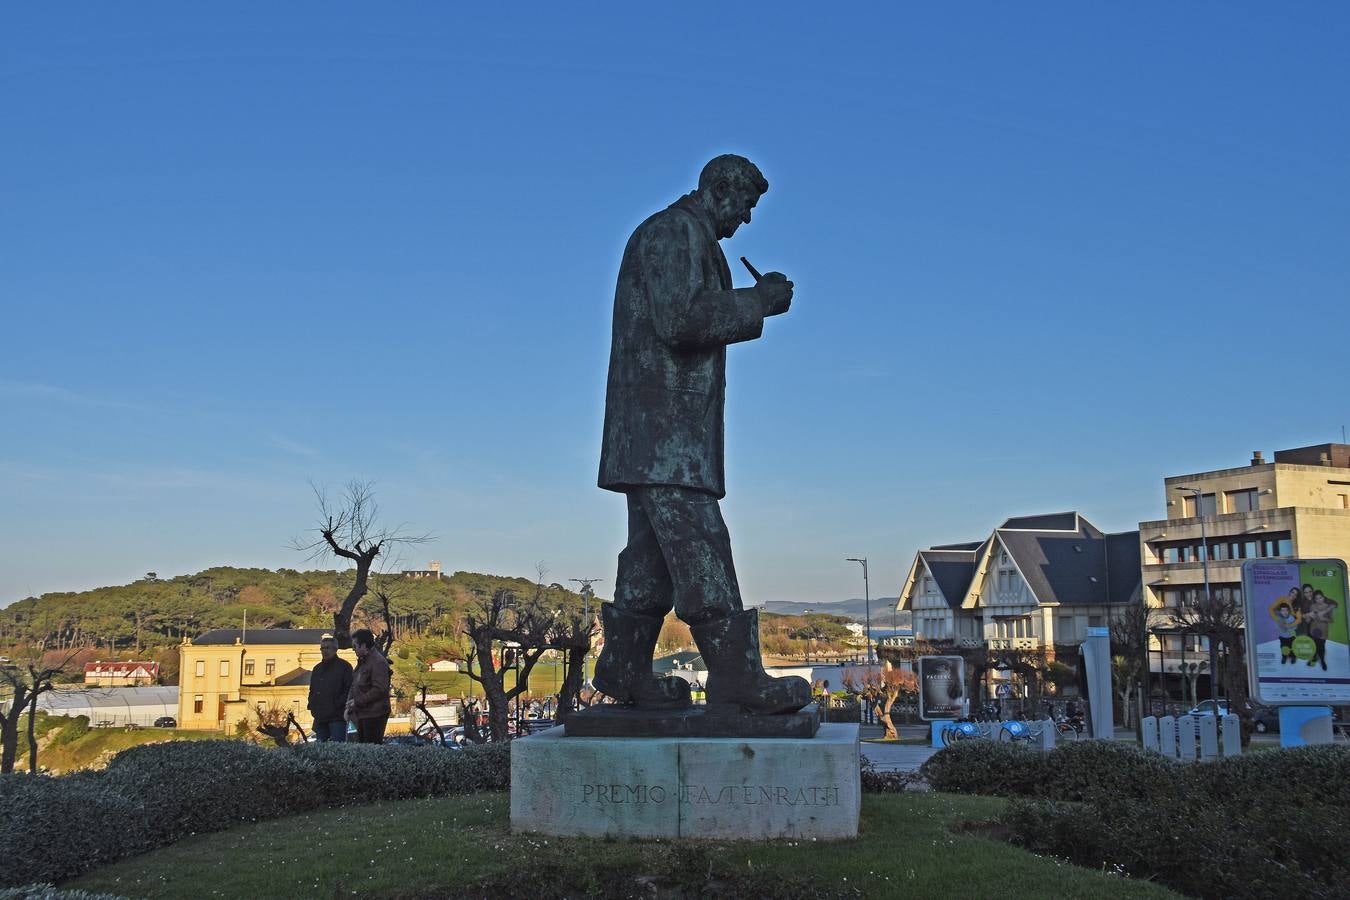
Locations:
(227, 673)
(1297, 505)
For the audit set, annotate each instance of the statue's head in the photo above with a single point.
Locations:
(730, 186)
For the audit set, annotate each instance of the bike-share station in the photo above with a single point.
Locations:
(942, 696)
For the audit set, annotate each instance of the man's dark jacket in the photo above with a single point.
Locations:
(328, 686)
(674, 313)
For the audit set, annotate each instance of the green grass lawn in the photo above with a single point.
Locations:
(457, 846)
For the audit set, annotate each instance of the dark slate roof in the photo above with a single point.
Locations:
(1065, 568)
(1065, 521)
(968, 545)
(952, 570)
(1122, 566)
(295, 676)
(263, 636)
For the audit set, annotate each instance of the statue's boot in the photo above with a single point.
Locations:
(624, 669)
(736, 677)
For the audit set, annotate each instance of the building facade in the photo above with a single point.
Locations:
(1030, 590)
(1296, 505)
(225, 675)
(115, 673)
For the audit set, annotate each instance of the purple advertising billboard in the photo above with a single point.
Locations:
(1297, 646)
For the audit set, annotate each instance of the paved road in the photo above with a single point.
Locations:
(896, 757)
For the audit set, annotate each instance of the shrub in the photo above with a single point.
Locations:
(55, 827)
(1267, 824)
(986, 767)
(1078, 771)
(155, 794)
(880, 782)
(189, 787)
(50, 892)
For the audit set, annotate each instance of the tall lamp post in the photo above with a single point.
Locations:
(867, 601)
(1209, 597)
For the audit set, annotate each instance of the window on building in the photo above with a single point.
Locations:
(1345, 500)
(1285, 547)
(1242, 501)
(248, 667)
(270, 667)
(197, 701)
(1208, 505)
(1066, 630)
(201, 668)
(224, 668)
(1095, 622)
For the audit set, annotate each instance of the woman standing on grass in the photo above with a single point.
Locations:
(368, 702)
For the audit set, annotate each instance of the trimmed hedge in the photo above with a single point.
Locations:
(152, 795)
(1259, 825)
(50, 892)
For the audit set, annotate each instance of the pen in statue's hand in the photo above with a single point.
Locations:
(774, 289)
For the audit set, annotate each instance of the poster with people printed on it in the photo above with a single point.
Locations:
(942, 687)
(1297, 645)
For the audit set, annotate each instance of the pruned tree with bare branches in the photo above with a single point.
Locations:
(881, 687)
(1130, 634)
(517, 626)
(571, 635)
(23, 681)
(1221, 620)
(349, 528)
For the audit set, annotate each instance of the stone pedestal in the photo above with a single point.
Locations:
(722, 788)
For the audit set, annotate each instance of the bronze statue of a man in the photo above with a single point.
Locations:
(675, 312)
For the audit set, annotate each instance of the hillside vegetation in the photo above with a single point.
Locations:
(157, 612)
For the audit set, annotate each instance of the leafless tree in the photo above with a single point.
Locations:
(571, 635)
(521, 628)
(1130, 635)
(23, 681)
(881, 687)
(1220, 619)
(349, 528)
(276, 723)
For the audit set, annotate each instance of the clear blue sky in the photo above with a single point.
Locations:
(1045, 254)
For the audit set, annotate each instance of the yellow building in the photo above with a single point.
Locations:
(1297, 505)
(226, 674)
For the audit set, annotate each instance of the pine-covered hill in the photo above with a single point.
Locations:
(157, 612)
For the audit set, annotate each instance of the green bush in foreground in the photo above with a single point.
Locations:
(152, 795)
(1258, 825)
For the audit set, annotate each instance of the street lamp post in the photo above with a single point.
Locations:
(1209, 597)
(586, 594)
(867, 601)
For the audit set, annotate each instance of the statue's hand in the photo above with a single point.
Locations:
(776, 293)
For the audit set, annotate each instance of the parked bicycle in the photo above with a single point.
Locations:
(1023, 732)
(1070, 727)
(960, 730)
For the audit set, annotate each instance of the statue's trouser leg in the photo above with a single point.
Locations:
(698, 573)
(632, 623)
(696, 547)
(643, 586)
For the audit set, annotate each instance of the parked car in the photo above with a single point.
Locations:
(1207, 707)
(406, 740)
(166, 722)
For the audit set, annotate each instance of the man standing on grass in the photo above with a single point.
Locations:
(329, 684)
(368, 701)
